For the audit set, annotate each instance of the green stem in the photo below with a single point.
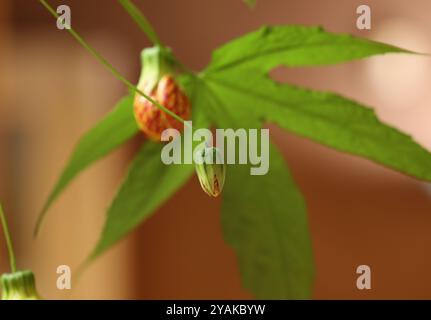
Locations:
(117, 74)
(6, 233)
(145, 25)
(142, 21)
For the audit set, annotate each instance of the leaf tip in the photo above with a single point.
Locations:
(264, 30)
(41, 218)
(37, 226)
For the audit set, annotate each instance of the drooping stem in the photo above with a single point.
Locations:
(114, 71)
(6, 233)
(145, 25)
(142, 21)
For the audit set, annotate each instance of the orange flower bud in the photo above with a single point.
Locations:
(152, 120)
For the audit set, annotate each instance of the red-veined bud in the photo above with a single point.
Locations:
(19, 285)
(211, 170)
(152, 120)
(158, 82)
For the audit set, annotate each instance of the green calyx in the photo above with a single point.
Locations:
(211, 170)
(19, 285)
(156, 62)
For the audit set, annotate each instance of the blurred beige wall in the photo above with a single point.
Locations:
(359, 212)
(4, 46)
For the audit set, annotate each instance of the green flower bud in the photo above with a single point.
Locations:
(211, 170)
(19, 285)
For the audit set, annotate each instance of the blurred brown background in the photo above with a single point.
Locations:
(51, 91)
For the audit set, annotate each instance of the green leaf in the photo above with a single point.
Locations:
(148, 184)
(112, 131)
(325, 117)
(264, 219)
(270, 47)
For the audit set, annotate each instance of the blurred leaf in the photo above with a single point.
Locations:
(324, 117)
(148, 184)
(141, 21)
(270, 47)
(112, 131)
(223, 111)
(250, 3)
(201, 114)
(264, 219)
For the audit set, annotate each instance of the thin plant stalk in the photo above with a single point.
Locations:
(114, 71)
(8, 239)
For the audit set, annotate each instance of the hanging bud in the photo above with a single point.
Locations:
(211, 170)
(158, 82)
(19, 285)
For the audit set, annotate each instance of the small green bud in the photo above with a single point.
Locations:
(19, 285)
(211, 170)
